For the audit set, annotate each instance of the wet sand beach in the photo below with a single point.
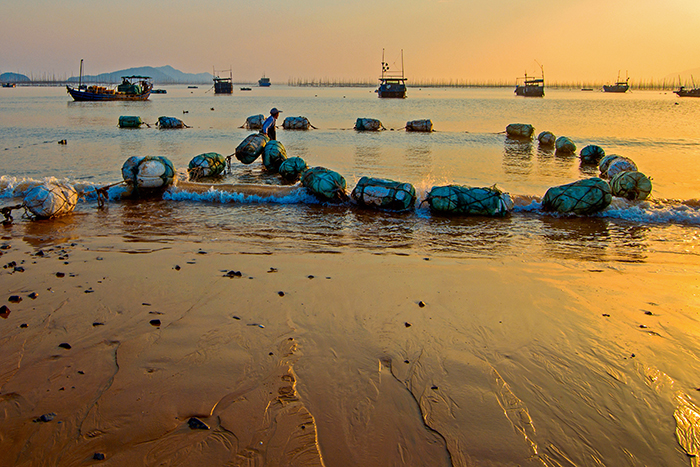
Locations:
(152, 352)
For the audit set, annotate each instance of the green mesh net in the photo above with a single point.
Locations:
(273, 155)
(581, 197)
(325, 184)
(457, 199)
(209, 164)
(384, 194)
(251, 148)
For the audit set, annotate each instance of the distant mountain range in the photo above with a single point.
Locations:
(13, 78)
(161, 75)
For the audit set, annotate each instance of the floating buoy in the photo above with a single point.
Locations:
(592, 154)
(520, 130)
(292, 169)
(546, 138)
(254, 122)
(564, 145)
(325, 184)
(251, 148)
(631, 185)
(126, 121)
(581, 197)
(368, 124)
(170, 123)
(296, 123)
(457, 199)
(148, 172)
(425, 126)
(384, 194)
(273, 155)
(51, 199)
(209, 164)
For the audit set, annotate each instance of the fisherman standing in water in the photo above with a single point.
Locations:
(268, 127)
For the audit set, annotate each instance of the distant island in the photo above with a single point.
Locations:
(161, 75)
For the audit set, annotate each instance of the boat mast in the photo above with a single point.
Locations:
(80, 79)
(402, 73)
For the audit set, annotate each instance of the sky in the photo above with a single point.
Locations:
(467, 40)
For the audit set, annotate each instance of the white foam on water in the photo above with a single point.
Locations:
(298, 196)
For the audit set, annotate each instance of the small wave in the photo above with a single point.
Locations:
(298, 196)
(654, 211)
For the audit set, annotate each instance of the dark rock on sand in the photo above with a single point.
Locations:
(197, 424)
(65, 345)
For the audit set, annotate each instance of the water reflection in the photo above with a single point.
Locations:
(594, 239)
(419, 159)
(150, 219)
(381, 230)
(517, 156)
(367, 157)
(470, 236)
(41, 233)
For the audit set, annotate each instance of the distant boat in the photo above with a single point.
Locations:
(619, 86)
(586, 89)
(392, 84)
(159, 91)
(192, 87)
(246, 89)
(685, 92)
(264, 82)
(8, 85)
(530, 87)
(223, 85)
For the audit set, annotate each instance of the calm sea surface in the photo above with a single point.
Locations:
(658, 130)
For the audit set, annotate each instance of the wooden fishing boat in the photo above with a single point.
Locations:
(685, 92)
(530, 87)
(223, 85)
(392, 84)
(132, 88)
(619, 86)
(8, 85)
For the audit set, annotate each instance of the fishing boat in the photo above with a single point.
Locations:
(132, 88)
(159, 91)
(8, 85)
(530, 87)
(392, 84)
(685, 92)
(619, 86)
(264, 82)
(223, 85)
(246, 89)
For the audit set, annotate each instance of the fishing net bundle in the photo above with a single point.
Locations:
(631, 185)
(170, 123)
(128, 121)
(384, 194)
(564, 145)
(619, 165)
(368, 124)
(520, 130)
(148, 172)
(592, 154)
(292, 169)
(586, 196)
(251, 148)
(273, 155)
(208, 164)
(457, 199)
(51, 199)
(546, 138)
(254, 122)
(420, 125)
(325, 184)
(296, 123)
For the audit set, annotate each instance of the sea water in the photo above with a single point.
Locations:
(468, 147)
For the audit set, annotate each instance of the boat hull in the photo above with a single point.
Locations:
(529, 91)
(392, 90)
(688, 92)
(81, 95)
(618, 88)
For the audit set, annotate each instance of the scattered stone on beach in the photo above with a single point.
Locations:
(89, 290)
(60, 274)
(177, 267)
(98, 456)
(65, 345)
(272, 270)
(233, 274)
(155, 322)
(24, 325)
(236, 317)
(47, 417)
(18, 269)
(606, 315)
(280, 293)
(643, 326)
(33, 295)
(407, 324)
(4, 312)
(196, 424)
(648, 313)
(310, 277)
(9, 265)
(434, 388)
(97, 323)
(14, 299)
(421, 304)
(201, 252)
(406, 361)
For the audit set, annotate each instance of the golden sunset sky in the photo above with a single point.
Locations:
(442, 39)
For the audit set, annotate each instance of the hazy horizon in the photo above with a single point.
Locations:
(442, 40)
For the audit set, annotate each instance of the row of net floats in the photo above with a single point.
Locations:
(152, 174)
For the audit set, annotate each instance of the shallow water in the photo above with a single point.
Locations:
(526, 336)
